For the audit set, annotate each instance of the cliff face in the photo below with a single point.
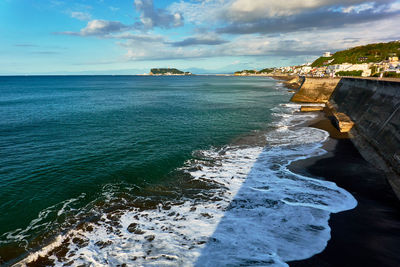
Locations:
(374, 106)
(316, 90)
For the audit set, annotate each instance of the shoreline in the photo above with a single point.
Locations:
(340, 164)
(358, 238)
(247, 153)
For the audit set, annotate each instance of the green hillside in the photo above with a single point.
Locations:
(246, 71)
(362, 54)
(267, 70)
(263, 71)
(166, 70)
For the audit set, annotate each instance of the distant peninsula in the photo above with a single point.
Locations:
(254, 72)
(168, 71)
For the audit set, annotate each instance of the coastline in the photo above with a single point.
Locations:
(219, 186)
(340, 164)
(358, 238)
(369, 234)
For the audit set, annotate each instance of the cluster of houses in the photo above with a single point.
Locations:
(392, 64)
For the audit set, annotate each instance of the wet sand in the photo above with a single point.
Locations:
(368, 235)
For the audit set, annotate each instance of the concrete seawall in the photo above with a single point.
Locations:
(374, 107)
(315, 90)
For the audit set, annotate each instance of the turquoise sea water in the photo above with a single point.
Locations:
(63, 136)
(108, 170)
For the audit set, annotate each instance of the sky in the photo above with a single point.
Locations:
(202, 36)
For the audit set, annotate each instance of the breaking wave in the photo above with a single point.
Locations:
(236, 205)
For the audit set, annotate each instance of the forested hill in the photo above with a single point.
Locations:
(361, 54)
(168, 71)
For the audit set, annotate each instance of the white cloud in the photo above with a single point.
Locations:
(358, 8)
(156, 17)
(144, 38)
(202, 12)
(349, 24)
(100, 27)
(395, 6)
(80, 15)
(200, 39)
(295, 45)
(244, 10)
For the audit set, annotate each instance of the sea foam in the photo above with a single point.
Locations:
(252, 210)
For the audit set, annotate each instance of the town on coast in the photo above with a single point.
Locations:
(374, 60)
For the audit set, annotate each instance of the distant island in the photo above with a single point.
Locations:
(168, 71)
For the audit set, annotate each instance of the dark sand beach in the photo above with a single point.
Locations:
(368, 235)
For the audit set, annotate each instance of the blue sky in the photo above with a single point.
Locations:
(132, 36)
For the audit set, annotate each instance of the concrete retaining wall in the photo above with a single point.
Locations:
(316, 90)
(374, 106)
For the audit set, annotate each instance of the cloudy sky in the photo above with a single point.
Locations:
(132, 36)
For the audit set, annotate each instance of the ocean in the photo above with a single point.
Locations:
(158, 171)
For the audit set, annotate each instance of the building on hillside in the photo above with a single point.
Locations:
(363, 59)
(327, 54)
(287, 69)
(319, 72)
(305, 70)
(382, 66)
(394, 66)
(365, 68)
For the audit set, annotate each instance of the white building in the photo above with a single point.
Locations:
(305, 69)
(327, 54)
(286, 69)
(365, 68)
